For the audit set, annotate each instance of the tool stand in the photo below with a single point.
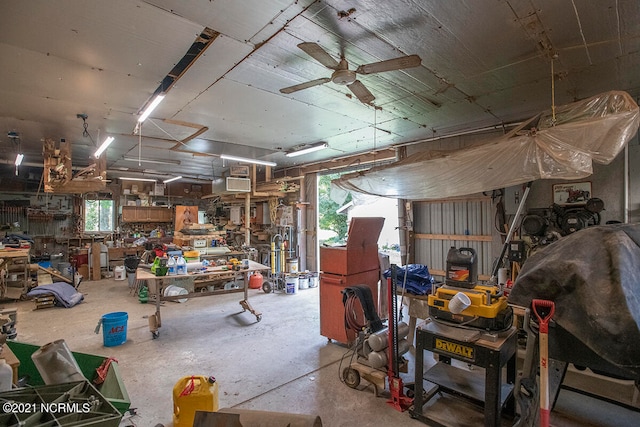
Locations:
(482, 387)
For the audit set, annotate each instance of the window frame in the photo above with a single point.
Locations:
(99, 212)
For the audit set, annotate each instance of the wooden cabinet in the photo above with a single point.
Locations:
(146, 214)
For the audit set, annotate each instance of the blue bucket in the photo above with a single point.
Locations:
(114, 328)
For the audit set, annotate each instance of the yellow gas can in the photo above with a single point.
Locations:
(191, 394)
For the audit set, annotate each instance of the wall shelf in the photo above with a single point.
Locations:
(147, 214)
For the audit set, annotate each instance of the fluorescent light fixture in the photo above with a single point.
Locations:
(155, 161)
(175, 178)
(157, 100)
(127, 178)
(103, 147)
(19, 159)
(244, 159)
(309, 149)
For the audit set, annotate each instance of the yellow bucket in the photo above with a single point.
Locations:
(191, 394)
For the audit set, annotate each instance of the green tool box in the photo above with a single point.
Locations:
(112, 388)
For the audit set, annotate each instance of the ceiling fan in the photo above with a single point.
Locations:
(342, 75)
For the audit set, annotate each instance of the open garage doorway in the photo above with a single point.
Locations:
(333, 219)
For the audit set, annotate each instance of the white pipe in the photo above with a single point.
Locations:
(626, 184)
(301, 240)
(247, 220)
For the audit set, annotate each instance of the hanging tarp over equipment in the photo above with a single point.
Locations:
(592, 130)
(593, 278)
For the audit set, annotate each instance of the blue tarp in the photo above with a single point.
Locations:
(66, 295)
(419, 280)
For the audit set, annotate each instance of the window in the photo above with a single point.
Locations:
(98, 215)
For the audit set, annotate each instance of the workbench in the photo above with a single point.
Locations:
(484, 387)
(157, 284)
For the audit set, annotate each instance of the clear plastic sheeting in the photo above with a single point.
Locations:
(592, 130)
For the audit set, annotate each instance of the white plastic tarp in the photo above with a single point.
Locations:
(592, 130)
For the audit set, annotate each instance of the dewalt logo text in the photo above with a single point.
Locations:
(453, 348)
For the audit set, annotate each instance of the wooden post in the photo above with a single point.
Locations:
(95, 261)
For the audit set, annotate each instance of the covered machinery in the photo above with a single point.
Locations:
(593, 278)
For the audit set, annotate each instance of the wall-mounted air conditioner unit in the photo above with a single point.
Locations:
(238, 184)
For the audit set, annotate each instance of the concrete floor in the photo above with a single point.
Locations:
(280, 364)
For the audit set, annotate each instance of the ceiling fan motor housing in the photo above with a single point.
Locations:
(343, 77)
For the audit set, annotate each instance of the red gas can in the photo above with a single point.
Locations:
(255, 281)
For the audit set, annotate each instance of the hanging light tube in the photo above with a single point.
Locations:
(103, 147)
(175, 178)
(19, 159)
(156, 161)
(244, 159)
(157, 100)
(136, 179)
(307, 150)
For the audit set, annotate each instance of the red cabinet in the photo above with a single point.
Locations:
(354, 264)
(359, 254)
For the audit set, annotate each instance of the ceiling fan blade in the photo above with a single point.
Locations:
(361, 92)
(305, 85)
(390, 65)
(319, 54)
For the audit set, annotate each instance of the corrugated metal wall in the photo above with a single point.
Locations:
(438, 225)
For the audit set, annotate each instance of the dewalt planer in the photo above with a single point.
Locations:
(462, 301)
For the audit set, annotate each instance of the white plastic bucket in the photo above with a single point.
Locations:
(303, 281)
(172, 291)
(118, 272)
(314, 280)
(291, 284)
(292, 265)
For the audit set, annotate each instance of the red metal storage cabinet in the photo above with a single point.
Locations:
(354, 264)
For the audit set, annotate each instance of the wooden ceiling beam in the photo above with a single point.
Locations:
(363, 159)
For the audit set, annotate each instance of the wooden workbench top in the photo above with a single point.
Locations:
(13, 253)
(144, 274)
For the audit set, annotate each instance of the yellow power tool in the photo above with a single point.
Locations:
(464, 302)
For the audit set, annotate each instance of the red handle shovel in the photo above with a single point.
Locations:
(540, 307)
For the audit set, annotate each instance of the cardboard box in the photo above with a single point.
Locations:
(83, 270)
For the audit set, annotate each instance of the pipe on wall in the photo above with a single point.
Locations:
(626, 184)
(302, 226)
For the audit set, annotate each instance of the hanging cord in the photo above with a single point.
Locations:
(553, 93)
(140, 144)
(351, 352)
(375, 126)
